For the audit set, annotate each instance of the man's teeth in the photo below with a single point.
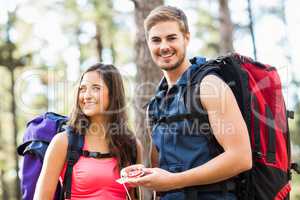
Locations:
(166, 55)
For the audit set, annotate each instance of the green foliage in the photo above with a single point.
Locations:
(208, 31)
(4, 90)
(295, 194)
(40, 101)
(100, 15)
(295, 126)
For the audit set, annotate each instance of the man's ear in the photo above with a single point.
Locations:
(187, 37)
(147, 38)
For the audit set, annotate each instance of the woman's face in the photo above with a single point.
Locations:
(93, 95)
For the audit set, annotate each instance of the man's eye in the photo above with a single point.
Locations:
(172, 38)
(155, 40)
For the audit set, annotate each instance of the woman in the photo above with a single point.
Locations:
(99, 114)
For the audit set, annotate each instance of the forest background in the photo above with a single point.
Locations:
(45, 45)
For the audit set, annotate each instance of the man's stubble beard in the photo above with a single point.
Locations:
(175, 66)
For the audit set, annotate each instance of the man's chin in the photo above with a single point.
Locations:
(169, 67)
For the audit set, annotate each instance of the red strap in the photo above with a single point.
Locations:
(282, 194)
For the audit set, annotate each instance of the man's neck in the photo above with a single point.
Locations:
(173, 75)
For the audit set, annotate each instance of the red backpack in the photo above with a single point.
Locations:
(258, 91)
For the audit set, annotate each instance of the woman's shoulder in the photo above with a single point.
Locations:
(60, 141)
(57, 149)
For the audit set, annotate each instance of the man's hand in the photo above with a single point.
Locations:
(156, 179)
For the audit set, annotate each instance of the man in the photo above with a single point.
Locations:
(186, 167)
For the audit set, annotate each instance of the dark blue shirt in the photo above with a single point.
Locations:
(183, 144)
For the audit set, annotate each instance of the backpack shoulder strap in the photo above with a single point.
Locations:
(75, 145)
(192, 93)
(150, 118)
(134, 152)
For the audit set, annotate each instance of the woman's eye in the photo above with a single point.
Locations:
(82, 89)
(96, 88)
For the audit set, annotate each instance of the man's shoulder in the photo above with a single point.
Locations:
(213, 91)
(212, 82)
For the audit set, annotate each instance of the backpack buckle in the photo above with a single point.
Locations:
(290, 114)
(258, 154)
(162, 119)
(295, 167)
(94, 154)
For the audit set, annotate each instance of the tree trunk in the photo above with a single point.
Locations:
(226, 28)
(251, 28)
(147, 77)
(11, 64)
(98, 38)
(4, 187)
(113, 53)
(287, 45)
(15, 133)
(148, 74)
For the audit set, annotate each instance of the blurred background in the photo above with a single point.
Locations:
(45, 45)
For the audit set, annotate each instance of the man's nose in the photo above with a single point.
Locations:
(164, 45)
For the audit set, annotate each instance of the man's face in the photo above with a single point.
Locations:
(167, 45)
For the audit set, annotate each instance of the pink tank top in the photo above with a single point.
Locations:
(95, 179)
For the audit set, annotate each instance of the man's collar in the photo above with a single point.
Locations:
(184, 78)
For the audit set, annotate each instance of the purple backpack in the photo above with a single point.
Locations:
(38, 134)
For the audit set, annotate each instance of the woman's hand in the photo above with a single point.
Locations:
(156, 179)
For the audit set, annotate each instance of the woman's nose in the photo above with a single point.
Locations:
(87, 94)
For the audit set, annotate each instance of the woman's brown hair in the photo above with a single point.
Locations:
(122, 143)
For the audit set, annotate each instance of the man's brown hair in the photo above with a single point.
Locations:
(164, 14)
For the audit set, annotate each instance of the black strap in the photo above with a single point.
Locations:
(182, 117)
(286, 131)
(97, 155)
(256, 128)
(75, 145)
(290, 114)
(295, 167)
(194, 112)
(68, 177)
(271, 149)
(203, 71)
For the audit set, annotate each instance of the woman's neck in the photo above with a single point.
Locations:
(98, 126)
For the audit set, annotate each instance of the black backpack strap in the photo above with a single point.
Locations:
(150, 118)
(134, 153)
(192, 97)
(295, 167)
(290, 114)
(96, 155)
(75, 145)
(256, 129)
(271, 148)
(195, 108)
(192, 94)
(187, 116)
